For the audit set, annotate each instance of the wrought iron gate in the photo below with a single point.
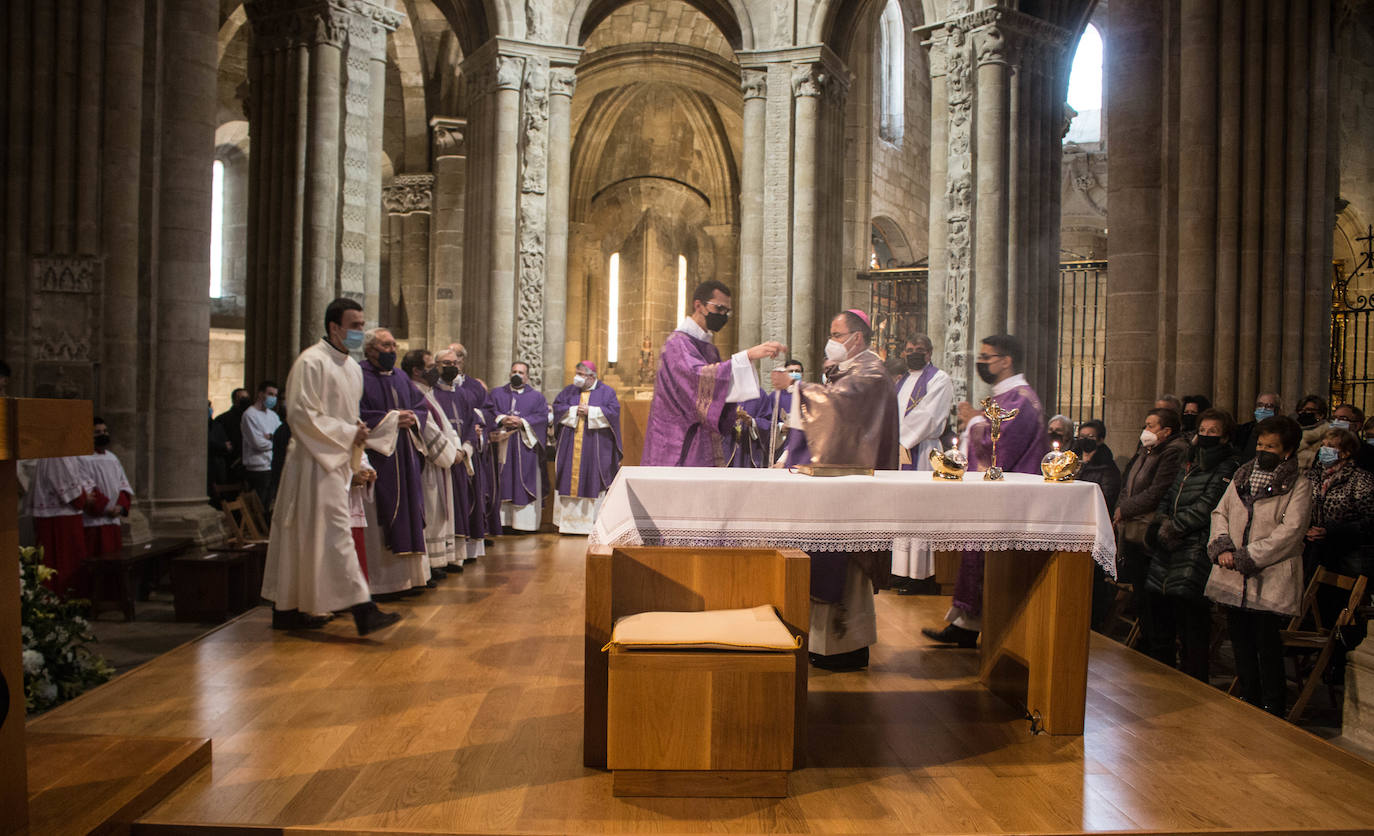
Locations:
(898, 306)
(1352, 326)
(1082, 339)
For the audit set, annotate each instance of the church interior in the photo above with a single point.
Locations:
(1155, 196)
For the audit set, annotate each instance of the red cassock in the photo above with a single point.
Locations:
(64, 549)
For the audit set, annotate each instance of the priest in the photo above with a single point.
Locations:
(457, 409)
(396, 562)
(523, 416)
(694, 390)
(485, 514)
(589, 451)
(924, 396)
(441, 450)
(850, 419)
(1020, 447)
(312, 565)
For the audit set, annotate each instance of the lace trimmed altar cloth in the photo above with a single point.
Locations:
(774, 508)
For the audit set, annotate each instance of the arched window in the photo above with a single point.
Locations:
(1085, 88)
(217, 230)
(891, 73)
(613, 317)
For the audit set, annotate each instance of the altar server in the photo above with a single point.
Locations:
(441, 449)
(850, 419)
(694, 389)
(396, 537)
(56, 498)
(589, 452)
(109, 496)
(523, 415)
(312, 566)
(1021, 446)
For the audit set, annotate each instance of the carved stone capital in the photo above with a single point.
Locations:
(754, 84)
(280, 24)
(808, 80)
(408, 194)
(450, 136)
(991, 45)
(562, 81)
(510, 70)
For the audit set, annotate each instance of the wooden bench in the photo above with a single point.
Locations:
(116, 577)
(209, 587)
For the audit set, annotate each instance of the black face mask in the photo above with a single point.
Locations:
(386, 360)
(1189, 421)
(1208, 442)
(242, 403)
(516, 381)
(987, 376)
(1086, 445)
(449, 373)
(915, 360)
(1267, 460)
(102, 440)
(430, 376)
(1307, 419)
(716, 321)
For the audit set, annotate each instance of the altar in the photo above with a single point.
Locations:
(1041, 539)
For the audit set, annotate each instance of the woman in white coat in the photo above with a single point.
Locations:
(1256, 543)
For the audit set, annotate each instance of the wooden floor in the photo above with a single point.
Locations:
(466, 718)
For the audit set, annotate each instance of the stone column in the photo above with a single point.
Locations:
(992, 184)
(409, 198)
(314, 193)
(750, 300)
(937, 229)
(501, 282)
(807, 83)
(181, 323)
(1357, 716)
(562, 80)
(446, 227)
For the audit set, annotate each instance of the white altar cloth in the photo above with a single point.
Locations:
(775, 508)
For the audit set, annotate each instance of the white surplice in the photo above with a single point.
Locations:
(922, 424)
(107, 474)
(436, 480)
(312, 564)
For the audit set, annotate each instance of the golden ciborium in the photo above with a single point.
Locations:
(1060, 465)
(947, 464)
(996, 416)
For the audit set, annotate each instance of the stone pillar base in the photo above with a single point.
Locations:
(137, 529)
(1357, 717)
(186, 518)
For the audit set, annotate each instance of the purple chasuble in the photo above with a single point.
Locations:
(601, 452)
(486, 505)
(918, 392)
(455, 407)
(1020, 447)
(521, 474)
(689, 406)
(400, 495)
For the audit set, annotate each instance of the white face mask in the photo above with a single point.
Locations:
(1148, 438)
(579, 381)
(1338, 424)
(836, 352)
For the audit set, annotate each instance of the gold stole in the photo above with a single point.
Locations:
(577, 445)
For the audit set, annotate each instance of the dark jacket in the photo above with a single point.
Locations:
(1148, 476)
(1102, 471)
(1179, 564)
(1343, 504)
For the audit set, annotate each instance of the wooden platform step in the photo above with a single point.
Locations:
(88, 783)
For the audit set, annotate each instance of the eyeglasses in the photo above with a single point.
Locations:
(839, 337)
(716, 307)
(983, 358)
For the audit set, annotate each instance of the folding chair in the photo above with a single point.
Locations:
(1307, 637)
(239, 519)
(253, 504)
(1117, 616)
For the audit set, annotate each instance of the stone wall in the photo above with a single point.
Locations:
(226, 367)
(1355, 106)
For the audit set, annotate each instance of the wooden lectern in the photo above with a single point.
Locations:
(30, 428)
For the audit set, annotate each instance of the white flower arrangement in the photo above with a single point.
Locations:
(57, 663)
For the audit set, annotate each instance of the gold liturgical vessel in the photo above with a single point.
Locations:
(1060, 465)
(948, 464)
(996, 416)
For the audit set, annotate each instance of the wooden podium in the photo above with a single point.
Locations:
(30, 428)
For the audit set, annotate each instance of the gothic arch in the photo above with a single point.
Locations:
(897, 242)
(475, 21)
(730, 16)
(836, 23)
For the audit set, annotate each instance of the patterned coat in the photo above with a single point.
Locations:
(1343, 504)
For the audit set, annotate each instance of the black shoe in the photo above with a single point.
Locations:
(486, 541)
(414, 591)
(952, 635)
(437, 574)
(454, 568)
(432, 583)
(297, 620)
(922, 586)
(369, 619)
(388, 597)
(473, 559)
(854, 660)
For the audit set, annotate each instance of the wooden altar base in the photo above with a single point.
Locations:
(465, 719)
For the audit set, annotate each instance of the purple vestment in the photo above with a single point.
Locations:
(1020, 447)
(454, 404)
(689, 409)
(521, 474)
(400, 496)
(486, 506)
(601, 452)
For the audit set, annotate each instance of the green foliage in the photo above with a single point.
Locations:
(57, 663)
